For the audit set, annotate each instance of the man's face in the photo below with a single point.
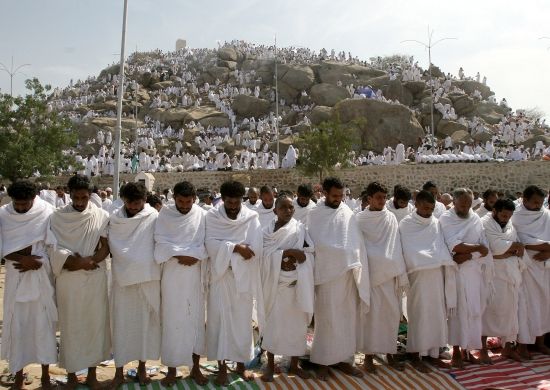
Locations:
(133, 206)
(21, 206)
(534, 203)
(490, 202)
(462, 205)
(109, 193)
(502, 217)
(334, 197)
(303, 200)
(60, 192)
(232, 206)
(80, 199)
(377, 201)
(252, 197)
(400, 203)
(425, 209)
(184, 203)
(284, 210)
(267, 199)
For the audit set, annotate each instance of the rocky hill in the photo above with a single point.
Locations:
(319, 85)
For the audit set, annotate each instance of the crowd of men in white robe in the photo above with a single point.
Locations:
(185, 282)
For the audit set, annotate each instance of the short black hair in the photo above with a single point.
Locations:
(401, 193)
(266, 190)
(533, 190)
(305, 190)
(375, 187)
(134, 191)
(281, 197)
(79, 182)
(490, 192)
(331, 182)
(425, 196)
(153, 200)
(428, 185)
(184, 188)
(232, 189)
(504, 204)
(22, 190)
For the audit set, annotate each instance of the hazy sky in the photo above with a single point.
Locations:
(64, 39)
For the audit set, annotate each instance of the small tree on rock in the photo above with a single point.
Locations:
(328, 145)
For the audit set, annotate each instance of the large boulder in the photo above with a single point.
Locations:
(332, 72)
(264, 68)
(248, 106)
(387, 124)
(416, 87)
(396, 91)
(162, 84)
(461, 136)
(490, 112)
(327, 94)
(446, 127)
(320, 114)
(216, 73)
(170, 115)
(297, 77)
(231, 65)
(469, 86)
(227, 54)
(464, 105)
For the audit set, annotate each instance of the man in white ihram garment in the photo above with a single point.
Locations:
(303, 203)
(265, 206)
(466, 241)
(79, 245)
(234, 245)
(388, 279)
(432, 276)
(30, 315)
(341, 281)
(135, 292)
(179, 247)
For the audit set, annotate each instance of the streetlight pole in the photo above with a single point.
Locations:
(118, 133)
(12, 72)
(277, 107)
(429, 46)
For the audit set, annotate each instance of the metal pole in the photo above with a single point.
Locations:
(431, 94)
(118, 130)
(277, 107)
(11, 72)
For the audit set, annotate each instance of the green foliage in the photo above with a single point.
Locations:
(31, 138)
(329, 144)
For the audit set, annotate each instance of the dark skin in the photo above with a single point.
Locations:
(464, 252)
(333, 198)
(284, 212)
(267, 199)
(24, 261)
(184, 204)
(232, 206)
(535, 203)
(303, 200)
(76, 262)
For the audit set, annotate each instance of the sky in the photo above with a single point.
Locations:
(72, 39)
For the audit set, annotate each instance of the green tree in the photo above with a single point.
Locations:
(31, 136)
(327, 145)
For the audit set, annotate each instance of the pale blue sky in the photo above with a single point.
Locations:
(65, 39)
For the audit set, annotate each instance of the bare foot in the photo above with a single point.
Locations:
(350, 370)
(542, 348)
(322, 373)
(92, 383)
(420, 366)
(222, 378)
(170, 379)
(511, 354)
(117, 381)
(143, 378)
(267, 376)
(369, 366)
(246, 375)
(472, 359)
(197, 376)
(456, 360)
(484, 357)
(394, 363)
(72, 382)
(300, 372)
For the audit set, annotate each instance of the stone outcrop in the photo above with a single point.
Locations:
(386, 123)
(325, 94)
(320, 114)
(248, 106)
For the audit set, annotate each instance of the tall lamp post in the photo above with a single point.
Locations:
(277, 108)
(118, 130)
(12, 72)
(429, 46)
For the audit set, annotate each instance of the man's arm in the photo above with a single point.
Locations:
(544, 247)
(465, 248)
(23, 259)
(516, 249)
(103, 250)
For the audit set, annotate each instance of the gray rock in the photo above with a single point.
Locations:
(297, 77)
(248, 106)
(446, 127)
(320, 114)
(227, 54)
(395, 90)
(464, 105)
(325, 94)
(469, 86)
